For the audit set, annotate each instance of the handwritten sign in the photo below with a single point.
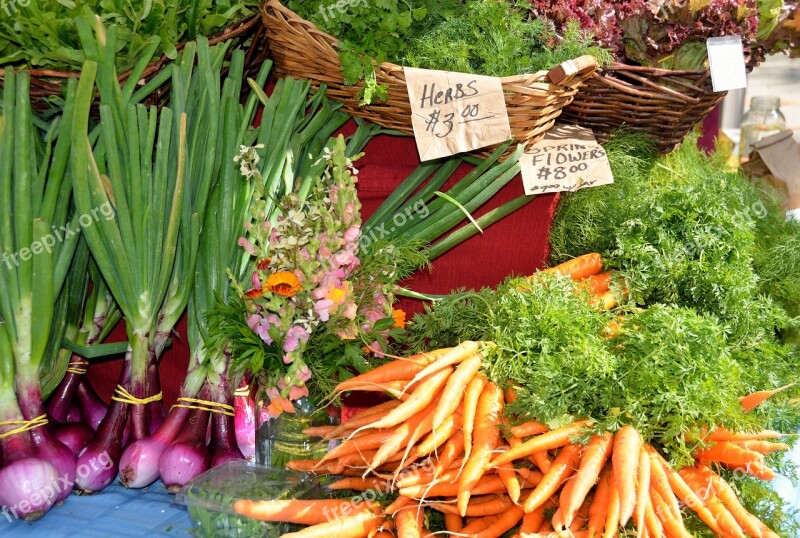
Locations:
(726, 62)
(567, 159)
(455, 112)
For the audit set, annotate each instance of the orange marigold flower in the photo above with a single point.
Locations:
(283, 283)
(399, 318)
(263, 263)
(254, 293)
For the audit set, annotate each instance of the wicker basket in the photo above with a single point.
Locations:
(46, 83)
(663, 104)
(301, 50)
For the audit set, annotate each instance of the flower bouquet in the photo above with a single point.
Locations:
(311, 310)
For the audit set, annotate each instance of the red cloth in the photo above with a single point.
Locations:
(515, 245)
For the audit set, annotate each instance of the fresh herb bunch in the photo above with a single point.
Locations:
(43, 34)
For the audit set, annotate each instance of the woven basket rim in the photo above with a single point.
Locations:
(229, 32)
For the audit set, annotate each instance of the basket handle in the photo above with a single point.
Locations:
(580, 66)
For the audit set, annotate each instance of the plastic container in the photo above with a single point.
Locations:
(762, 120)
(210, 497)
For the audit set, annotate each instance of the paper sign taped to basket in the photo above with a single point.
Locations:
(568, 158)
(455, 112)
(726, 61)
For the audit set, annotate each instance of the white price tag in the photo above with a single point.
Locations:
(567, 159)
(455, 112)
(726, 60)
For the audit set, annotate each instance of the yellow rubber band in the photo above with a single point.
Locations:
(79, 371)
(122, 395)
(24, 425)
(242, 392)
(205, 405)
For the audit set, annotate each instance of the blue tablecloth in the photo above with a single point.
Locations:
(117, 512)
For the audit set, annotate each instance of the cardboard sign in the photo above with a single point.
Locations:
(726, 60)
(567, 159)
(455, 112)
(781, 155)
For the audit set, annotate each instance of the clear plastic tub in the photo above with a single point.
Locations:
(210, 497)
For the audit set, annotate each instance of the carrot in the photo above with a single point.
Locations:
(721, 515)
(403, 369)
(478, 524)
(357, 459)
(612, 517)
(510, 481)
(756, 469)
(369, 441)
(454, 356)
(416, 479)
(767, 532)
(530, 477)
(729, 453)
(542, 460)
(435, 439)
(454, 389)
(547, 441)
(405, 435)
(453, 448)
(311, 512)
(497, 505)
(672, 524)
(359, 525)
(419, 399)
(580, 267)
(319, 431)
(453, 523)
(594, 459)
(660, 482)
(625, 462)
(487, 435)
(642, 492)
(505, 522)
(487, 484)
(598, 283)
(389, 387)
(752, 400)
(598, 510)
(747, 521)
(317, 467)
(471, 395)
(558, 517)
(398, 503)
(762, 447)
(383, 534)
(409, 521)
(606, 300)
(532, 521)
(359, 483)
(721, 434)
(511, 393)
(653, 525)
(365, 417)
(563, 466)
(533, 427)
(689, 497)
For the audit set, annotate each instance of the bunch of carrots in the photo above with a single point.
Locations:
(443, 443)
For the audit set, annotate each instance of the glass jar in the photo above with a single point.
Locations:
(280, 438)
(762, 120)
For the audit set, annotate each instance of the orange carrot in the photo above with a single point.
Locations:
(724, 519)
(319, 431)
(316, 466)
(510, 481)
(454, 356)
(425, 393)
(752, 400)
(454, 389)
(766, 532)
(653, 527)
(547, 441)
(612, 517)
(532, 521)
(389, 387)
(563, 466)
(762, 447)
(403, 369)
(625, 461)
(361, 524)
(533, 427)
(511, 393)
(580, 267)
(505, 522)
(383, 534)
(478, 524)
(471, 395)
(398, 503)
(747, 521)
(530, 477)
(409, 521)
(359, 483)
(487, 435)
(606, 300)
(310, 512)
(594, 459)
(365, 417)
(598, 283)
(369, 441)
(487, 484)
(660, 483)
(642, 492)
(756, 469)
(453, 448)
(558, 518)
(686, 494)
(435, 439)
(453, 523)
(729, 453)
(721, 434)
(415, 479)
(598, 510)
(672, 524)
(405, 435)
(542, 460)
(497, 505)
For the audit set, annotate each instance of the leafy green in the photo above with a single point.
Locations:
(44, 34)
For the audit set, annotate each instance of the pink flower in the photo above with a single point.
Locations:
(303, 373)
(343, 258)
(255, 282)
(295, 393)
(352, 233)
(265, 325)
(376, 348)
(350, 311)
(247, 246)
(253, 321)
(296, 335)
(322, 309)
